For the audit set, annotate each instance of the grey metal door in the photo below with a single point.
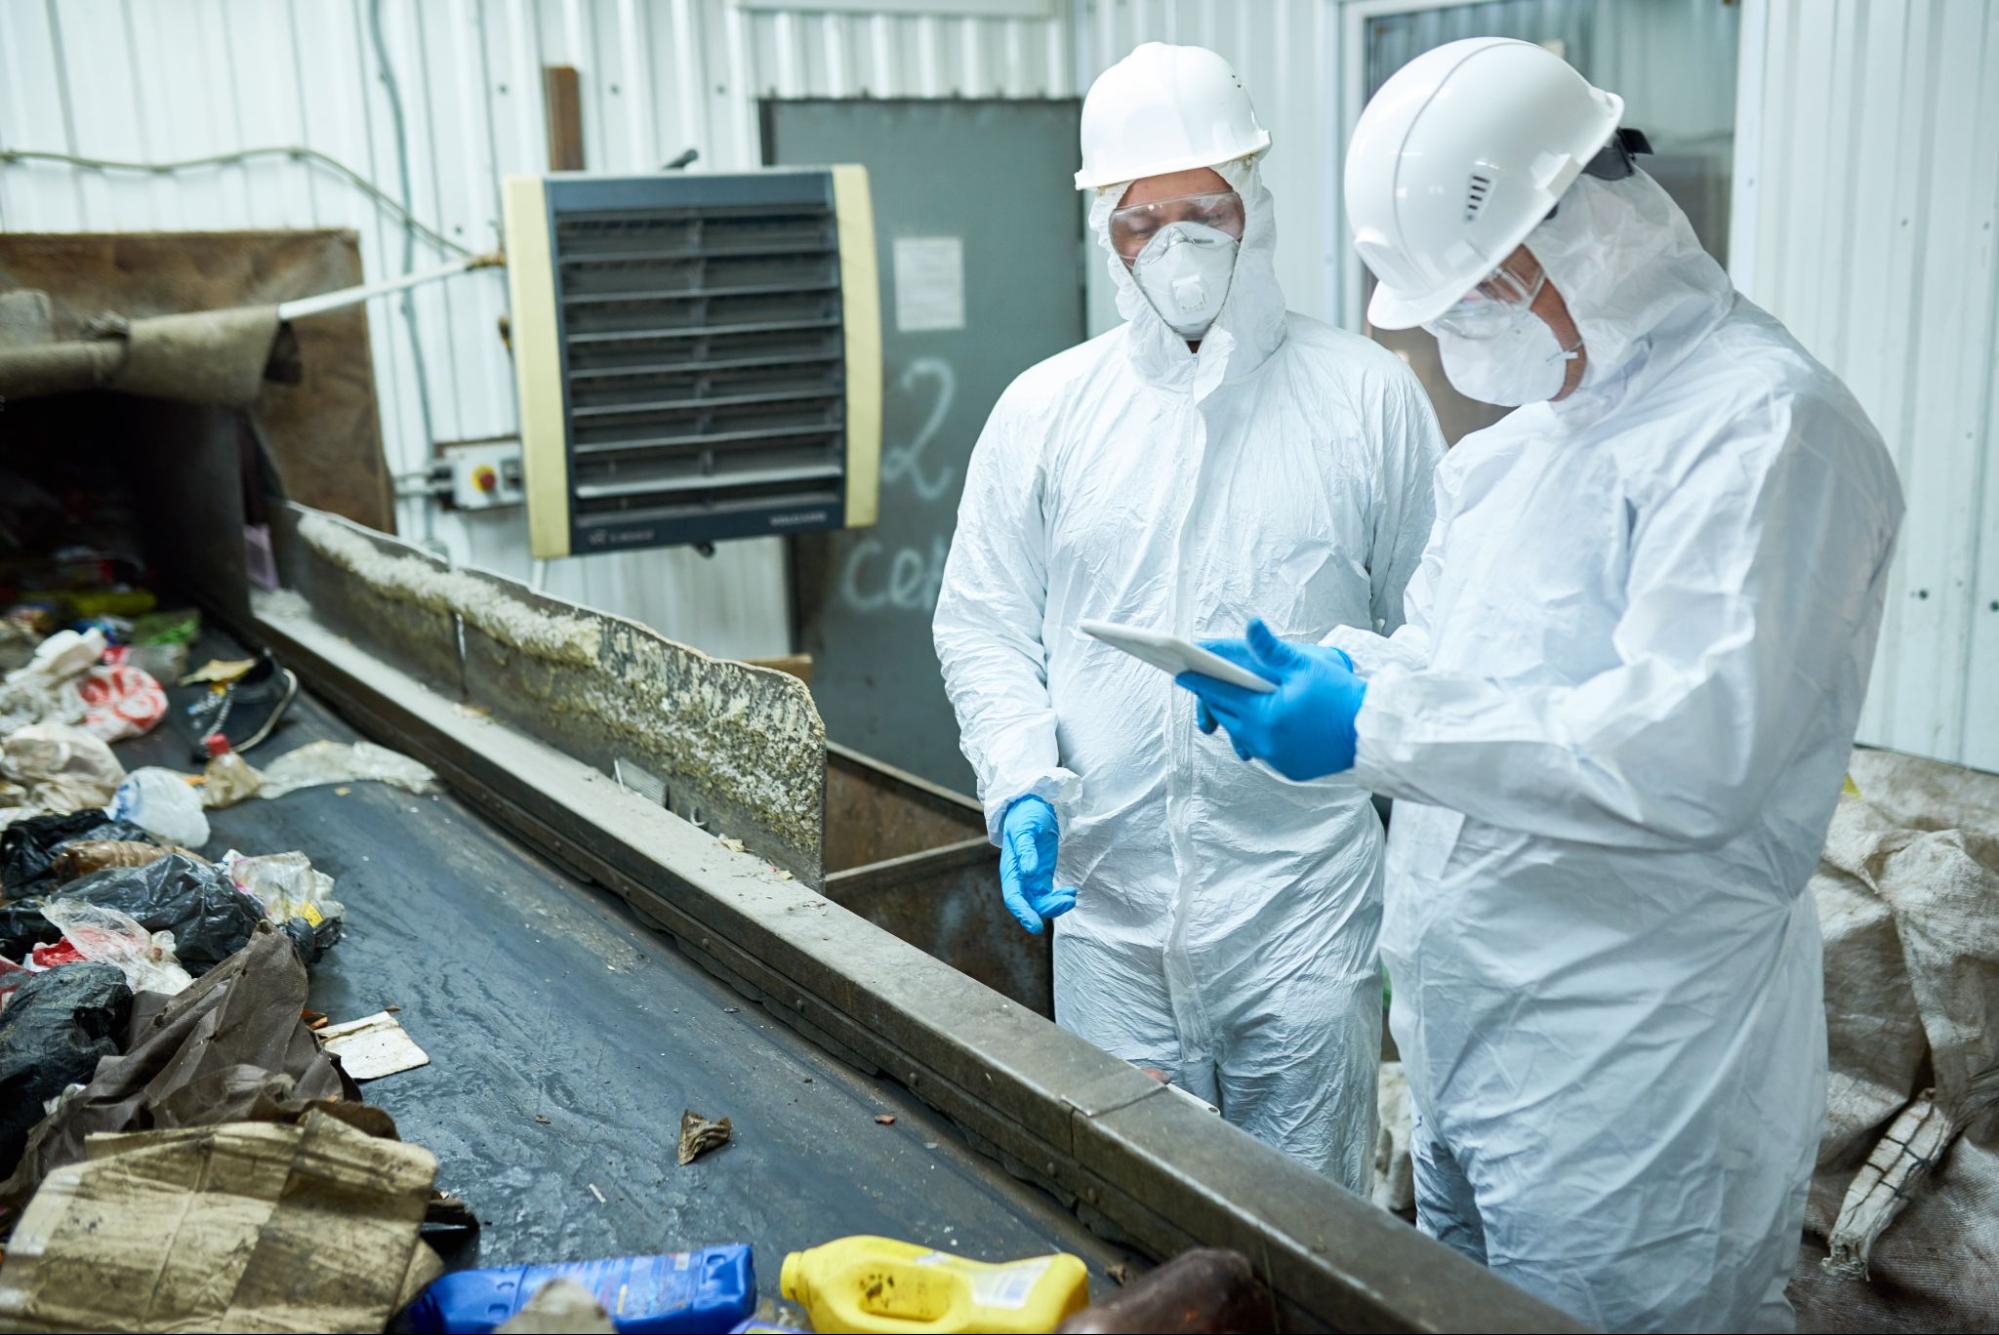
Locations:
(979, 237)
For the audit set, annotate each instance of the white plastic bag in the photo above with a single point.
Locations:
(318, 763)
(164, 804)
(105, 935)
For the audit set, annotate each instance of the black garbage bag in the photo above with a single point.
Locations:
(22, 928)
(55, 1027)
(28, 847)
(209, 917)
(311, 941)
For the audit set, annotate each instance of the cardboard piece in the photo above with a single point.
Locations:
(372, 1046)
(246, 1226)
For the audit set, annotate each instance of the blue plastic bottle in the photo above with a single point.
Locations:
(710, 1289)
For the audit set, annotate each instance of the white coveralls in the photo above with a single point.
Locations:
(1226, 923)
(1615, 727)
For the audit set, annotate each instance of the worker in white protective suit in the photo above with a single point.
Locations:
(1616, 720)
(1212, 457)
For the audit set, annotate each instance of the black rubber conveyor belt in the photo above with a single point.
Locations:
(540, 997)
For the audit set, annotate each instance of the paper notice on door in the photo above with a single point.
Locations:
(929, 283)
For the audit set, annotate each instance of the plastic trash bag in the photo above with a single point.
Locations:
(296, 897)
(28, 848)
(104, 935)
(53, 1031)
(210, 919)
(164, 804)
(319, 763)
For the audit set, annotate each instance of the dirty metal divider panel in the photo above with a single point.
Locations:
(1128, 1155)
(737, 749)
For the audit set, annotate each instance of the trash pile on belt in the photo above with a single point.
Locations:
(183, 1142)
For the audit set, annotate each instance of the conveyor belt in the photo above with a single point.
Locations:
(538, 996)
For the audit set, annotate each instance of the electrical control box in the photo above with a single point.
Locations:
(484, 476)
(698, 357)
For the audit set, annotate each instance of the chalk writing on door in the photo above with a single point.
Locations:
(874, 578)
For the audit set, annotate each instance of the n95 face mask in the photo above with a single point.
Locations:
(1184, 271)
(1525, 364)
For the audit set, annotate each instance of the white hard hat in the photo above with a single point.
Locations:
(1459, 156)
(1165, 109)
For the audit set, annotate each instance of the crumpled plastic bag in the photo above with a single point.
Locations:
(209, 918)
(104, 935)
(318, 763)
(297, 898)
(43, 690)
(120, 698)
(55, 1027)
(59, 768)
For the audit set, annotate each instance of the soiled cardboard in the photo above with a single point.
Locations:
(246, 1226)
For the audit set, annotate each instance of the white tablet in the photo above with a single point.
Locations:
(1170, 653)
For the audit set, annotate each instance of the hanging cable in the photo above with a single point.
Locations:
(296, 152)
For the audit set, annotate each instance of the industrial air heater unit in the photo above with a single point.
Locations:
(698, 356)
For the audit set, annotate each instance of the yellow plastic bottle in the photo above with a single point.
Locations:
(879, 1284)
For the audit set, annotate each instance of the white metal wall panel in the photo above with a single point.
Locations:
(160, 79)
(1867, 197)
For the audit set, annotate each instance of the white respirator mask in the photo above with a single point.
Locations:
(1524, 364)
(1184, 271)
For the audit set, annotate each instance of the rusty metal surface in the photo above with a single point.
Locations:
(913, 858)
(324, 432)
(875, 812)
(947, 904)
(1131, 1157)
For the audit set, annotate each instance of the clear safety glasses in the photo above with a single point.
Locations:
(1497, 305)
(1133, 227)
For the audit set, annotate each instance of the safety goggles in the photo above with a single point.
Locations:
(1496, 306)
(1133, 227)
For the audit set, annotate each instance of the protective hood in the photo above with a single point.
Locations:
(1640, 288)
(1251, 325)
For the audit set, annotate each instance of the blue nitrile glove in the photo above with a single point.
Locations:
(1029, 839)
(1305, 728)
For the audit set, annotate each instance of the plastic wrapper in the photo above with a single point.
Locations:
(80, 857)
(59, 768)
(228, 780)
(100, 934)
(296, 897)
(28, 847)
(209, 918)
(164, 804)
(53, 1031)
(319, 763)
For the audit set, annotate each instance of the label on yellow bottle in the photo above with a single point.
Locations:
(1001, 1286)
(1009, 1286)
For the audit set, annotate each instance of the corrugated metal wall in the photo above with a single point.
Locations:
(1866, 207)
(169, 79)
(1865, 197)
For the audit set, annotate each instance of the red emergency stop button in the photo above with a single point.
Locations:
(486, 478)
